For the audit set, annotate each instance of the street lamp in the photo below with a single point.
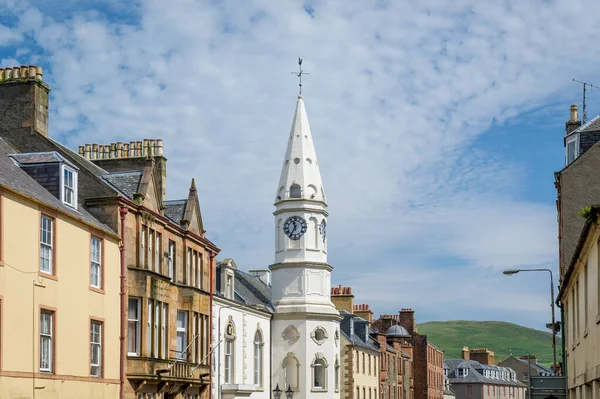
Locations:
(510, 272)
(289, 393)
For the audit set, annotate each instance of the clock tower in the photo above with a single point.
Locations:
(305, 326)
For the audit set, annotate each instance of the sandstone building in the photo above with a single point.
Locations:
(166, 269)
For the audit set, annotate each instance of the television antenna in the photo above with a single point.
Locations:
(584, 117)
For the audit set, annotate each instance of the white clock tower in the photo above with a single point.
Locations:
(305, 328)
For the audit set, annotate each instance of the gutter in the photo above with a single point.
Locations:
(123, 212)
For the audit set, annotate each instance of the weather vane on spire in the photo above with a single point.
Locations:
(300, 73)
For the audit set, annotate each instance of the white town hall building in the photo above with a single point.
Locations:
(277, 327)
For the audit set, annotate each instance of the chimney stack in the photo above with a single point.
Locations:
(407, 320)
(483, 356)
(364, 312)
(573, 122)
(465, 353)
(24, 104)
(342, 298)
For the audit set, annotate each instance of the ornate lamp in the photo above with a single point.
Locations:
(289, 393)
(277, 392)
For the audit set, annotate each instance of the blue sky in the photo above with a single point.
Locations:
(438, 126)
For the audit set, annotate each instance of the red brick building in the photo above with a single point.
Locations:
(427, 359)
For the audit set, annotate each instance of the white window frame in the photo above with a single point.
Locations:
(164, 329)
(157, 238)
(258, 358)
(228, 363)
(182, 334)
(46, 244)
(156, 338)
(319, 366)
(135, 322)
(575, 139)
(188, 268)
(150, 248)
(171, 259)
(96, 348)
(229, 286)
(64, 187)
(143, 247)
(96, 262)
(46, 342)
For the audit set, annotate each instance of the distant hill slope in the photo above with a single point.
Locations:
(498, 336)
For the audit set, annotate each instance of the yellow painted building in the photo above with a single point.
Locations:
(580, 298)
(59, 284)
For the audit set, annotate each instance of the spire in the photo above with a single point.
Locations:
(193, 185)
(300, 175)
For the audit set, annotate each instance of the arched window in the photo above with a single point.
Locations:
(319, 366)
(295, 191)
(291, 369)
(258, 358)
(229, 353)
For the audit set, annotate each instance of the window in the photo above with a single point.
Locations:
(295, 191)
(69, 183)
(46, 245)
(363, 364)
(469, 390)
(157, 328)
(525, 376)
(96, 349)
(228, 360)
(258, 356)
(229, 287)
(585, 299)
(143, 247)
(319, 374)
(171, 260)
(182, 332)
(150, 246)
(157, 253)
(572, 149)
(577, 309)
(96, 262)
(46, 341)
(199, 267)
(133, 316)
(163, 330)
(188, 267)
(369, 364)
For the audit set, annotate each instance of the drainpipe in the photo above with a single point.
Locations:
(562, 338)
(123, 213)
(210, 360)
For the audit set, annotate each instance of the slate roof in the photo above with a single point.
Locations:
(356, 339)
(540, 368)
(127, 183)
(249, 290)
(81, 161)
(175, 209)
(40, 157)
(14, 178)
(473, 375)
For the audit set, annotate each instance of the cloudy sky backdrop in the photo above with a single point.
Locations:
(438, 126)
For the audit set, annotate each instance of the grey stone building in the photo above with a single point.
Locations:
(470, 379)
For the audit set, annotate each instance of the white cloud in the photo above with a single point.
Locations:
(396, 97)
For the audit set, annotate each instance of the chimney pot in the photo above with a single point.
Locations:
(88, 150)
(126, 150)
(24, 71)
(152, 147)
(574, 114)
(139, 152)
(16, 73)
(1, 73)
(8, 73)
(81, 150)
(31, 71)
(159, 147)
(39, 73)
(94, 154)
(119, 149)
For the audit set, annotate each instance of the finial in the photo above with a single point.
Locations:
(299, 74)
(193, 186)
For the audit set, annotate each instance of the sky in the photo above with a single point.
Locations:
(438, 126)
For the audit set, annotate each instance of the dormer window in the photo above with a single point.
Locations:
(572, 148)
(69, 186)
(229, 286)
(463, 372)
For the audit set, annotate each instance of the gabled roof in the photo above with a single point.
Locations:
(592, 125)
(14, 178)
(128, 183)
(540, 368)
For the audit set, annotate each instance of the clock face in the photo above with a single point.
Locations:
(294, 227)
(323, 229)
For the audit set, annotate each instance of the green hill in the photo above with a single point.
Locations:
(498, 336)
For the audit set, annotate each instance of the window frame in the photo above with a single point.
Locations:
(51, 245)
(52, 340)
(137, 323)
(100, 286)
(171, 260)
(63, 186)
(573, 139)
(184, 330)
(319, 363)
(99, 347)
(258, 358)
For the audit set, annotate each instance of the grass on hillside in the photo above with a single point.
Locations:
(498, 336)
